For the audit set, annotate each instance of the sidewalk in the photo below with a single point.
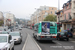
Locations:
(30, 44)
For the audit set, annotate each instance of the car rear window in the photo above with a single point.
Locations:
(3, 39)
(14, 34)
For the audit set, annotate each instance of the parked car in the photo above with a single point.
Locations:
(6, 43)
(11, 28)
(20, 28)
(62, 35)
(16, 36)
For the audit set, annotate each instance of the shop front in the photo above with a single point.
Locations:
(73, 26)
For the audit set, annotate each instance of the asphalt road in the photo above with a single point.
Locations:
(46, 45)
(24, 36)
(54, 45)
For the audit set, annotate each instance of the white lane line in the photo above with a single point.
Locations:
(25, 43)
(37, 44)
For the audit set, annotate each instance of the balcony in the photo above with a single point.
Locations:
(65, 21)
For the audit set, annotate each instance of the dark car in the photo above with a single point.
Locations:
(62, 35)
(11, 28)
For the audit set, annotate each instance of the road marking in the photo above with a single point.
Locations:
(37, 44)
(25, 43)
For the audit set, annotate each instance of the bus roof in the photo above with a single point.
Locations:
(43, 21)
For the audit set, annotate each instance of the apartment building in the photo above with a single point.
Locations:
(11, 17)
(29, 23)
(66, 16)
(41, 13)
(1, 16)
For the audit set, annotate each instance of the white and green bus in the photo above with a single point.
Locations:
(45, 30)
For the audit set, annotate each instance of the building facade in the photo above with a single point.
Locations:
(11, 17)
(66, 16)
(1, 16)
(41, 13)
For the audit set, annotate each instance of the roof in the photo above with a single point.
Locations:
(4, 34)
(65, 4)
(15, 31)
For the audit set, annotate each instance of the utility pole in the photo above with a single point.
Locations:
(58, 5)
(58, 10)
(59, 14)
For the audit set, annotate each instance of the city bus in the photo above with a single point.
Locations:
(45, 30)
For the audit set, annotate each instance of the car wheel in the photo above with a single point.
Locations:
(68, 39)
(13, 48)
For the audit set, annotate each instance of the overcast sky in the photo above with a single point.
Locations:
(24, 8)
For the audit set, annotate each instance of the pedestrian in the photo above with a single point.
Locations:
(71, 29)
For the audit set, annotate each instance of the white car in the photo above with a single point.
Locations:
(6, 43)
(16, 36)
(20, 28)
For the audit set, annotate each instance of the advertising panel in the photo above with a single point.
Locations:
(45, 27)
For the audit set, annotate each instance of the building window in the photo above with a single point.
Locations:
(55, 12)
(65, 16)
(69, 16)
(52, 8)
(68, 26)
(45, 8)
(51, 12)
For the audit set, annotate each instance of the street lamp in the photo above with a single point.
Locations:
(58, 10)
